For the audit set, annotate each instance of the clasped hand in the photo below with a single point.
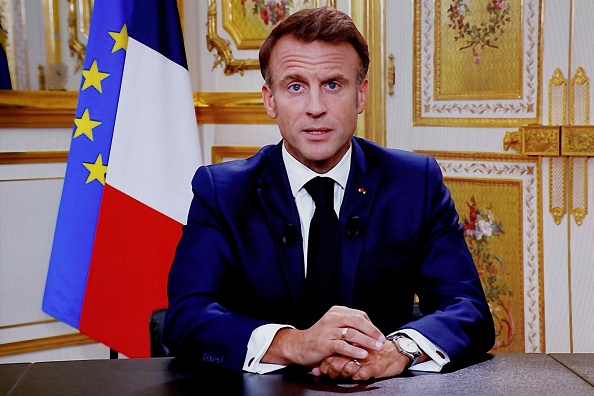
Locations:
(343, 343)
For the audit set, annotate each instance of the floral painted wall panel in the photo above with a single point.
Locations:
(477, 62)
(497, 199)
(491, 216)
(479, 51)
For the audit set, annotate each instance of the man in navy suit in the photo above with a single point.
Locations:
(236, 286)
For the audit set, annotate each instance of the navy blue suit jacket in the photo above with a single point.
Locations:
(239, 264)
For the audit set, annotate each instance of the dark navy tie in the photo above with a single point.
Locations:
(322, 283)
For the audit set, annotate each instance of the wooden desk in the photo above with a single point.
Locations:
(10, 374)
(504, 374)
(580, 363)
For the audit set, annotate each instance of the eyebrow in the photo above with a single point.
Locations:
(291, 77)
(339, 77)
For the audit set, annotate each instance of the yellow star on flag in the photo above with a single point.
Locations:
(93, 77)
(84, 125)
(121, 39)
(97, 170)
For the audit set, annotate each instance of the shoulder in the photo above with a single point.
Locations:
(239, 171)
(392, 160)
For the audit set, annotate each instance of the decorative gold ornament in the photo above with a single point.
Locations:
(557, 98)
(79, 19)
(579, 98)
(534, 140)
(577, 140)
(557, 188)
(391, 75)
(578, 190)
(224, 55)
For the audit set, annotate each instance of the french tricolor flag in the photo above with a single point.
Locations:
(127, 188)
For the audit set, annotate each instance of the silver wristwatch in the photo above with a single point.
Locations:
(406, 346)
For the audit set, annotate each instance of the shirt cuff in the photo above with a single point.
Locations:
(258, 344)
(438, 356)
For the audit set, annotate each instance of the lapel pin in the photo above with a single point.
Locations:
(361, 190)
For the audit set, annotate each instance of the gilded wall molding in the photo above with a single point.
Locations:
(37, 109)
(370, 18)
(230, 108)
(33, 157)
(220, 153)
(42, 344)
(45, 109)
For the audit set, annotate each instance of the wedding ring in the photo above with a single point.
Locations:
(356, 362)
(343, 333)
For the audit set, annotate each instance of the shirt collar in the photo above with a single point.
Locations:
(300, 174)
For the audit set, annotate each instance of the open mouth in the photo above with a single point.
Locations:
(316, 131)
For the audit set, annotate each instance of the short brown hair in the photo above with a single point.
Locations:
(313, 24)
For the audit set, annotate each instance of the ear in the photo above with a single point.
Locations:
(362, 96)
(268, 99)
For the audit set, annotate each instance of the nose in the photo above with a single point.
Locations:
(316, 105)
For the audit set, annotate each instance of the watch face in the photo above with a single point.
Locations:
(408, 345)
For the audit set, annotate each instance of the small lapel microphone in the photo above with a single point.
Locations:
(290, 234)
(353, 226)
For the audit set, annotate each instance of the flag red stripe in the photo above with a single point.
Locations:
(133, 251)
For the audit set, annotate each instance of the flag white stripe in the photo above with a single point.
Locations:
(155, 148)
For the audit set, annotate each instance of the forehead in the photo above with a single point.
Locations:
(291, 55)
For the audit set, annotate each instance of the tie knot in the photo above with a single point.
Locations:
(321, 190)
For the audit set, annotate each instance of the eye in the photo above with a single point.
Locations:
(333, 85)
(295, 87)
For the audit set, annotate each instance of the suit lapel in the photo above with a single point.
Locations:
(283, 219)
(358, 198)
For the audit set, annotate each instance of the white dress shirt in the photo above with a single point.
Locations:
(299, 175)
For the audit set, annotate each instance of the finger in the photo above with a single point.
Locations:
(351, 368)
(356, 338)
(336, 366)
(348, 317)
(362, 374)
(348, 350)
(358, 320)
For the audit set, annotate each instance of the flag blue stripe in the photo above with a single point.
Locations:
(80, 203)
(149, 22)
(5, 82)
(155, 23)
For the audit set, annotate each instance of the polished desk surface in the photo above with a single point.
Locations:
(10, 374)
(503, 374)
(580, 363)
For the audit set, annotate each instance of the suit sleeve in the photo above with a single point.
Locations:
(457, 316)
(198, 326)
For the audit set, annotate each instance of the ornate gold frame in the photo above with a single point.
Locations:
(241, 41)
(224, 55)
